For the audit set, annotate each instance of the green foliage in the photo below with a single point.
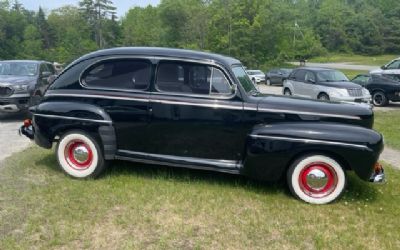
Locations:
(258, 32)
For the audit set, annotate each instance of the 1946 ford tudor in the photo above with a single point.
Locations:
(199, 110)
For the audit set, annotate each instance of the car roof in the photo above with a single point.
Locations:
(26, 61)
(162, 52)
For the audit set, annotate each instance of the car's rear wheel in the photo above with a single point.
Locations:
(268, 82)
(79, 155)
(379, 99)
(287, 92)
(254, 81)
(316, 179)
(323, 97)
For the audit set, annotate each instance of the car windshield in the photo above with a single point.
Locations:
(18, 68)
(244, 79)
(331, 76)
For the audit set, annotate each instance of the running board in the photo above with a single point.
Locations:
(225, 166)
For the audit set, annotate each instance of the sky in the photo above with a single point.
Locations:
(122, 5)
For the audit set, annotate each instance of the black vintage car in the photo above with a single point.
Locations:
(383, 88)
(20, 80)
(199, 110)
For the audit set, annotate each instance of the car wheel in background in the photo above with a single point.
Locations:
(254, 81)
(316, 179)
(287, 92)
(79, 155)
(268, 82)
(379, 99)
(323, 97)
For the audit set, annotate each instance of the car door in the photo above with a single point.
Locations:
(273, 76)
(195, 112)
(309, 88)
(121, 87)
(298, 82)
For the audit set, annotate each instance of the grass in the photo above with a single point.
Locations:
(387, 122)
(355, 59)
(140, 206)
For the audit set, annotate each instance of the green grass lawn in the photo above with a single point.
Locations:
(140, 206)
(388, 123)
(355, 59)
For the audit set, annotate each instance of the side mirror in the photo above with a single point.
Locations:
(234, 89)
(311, 80)
(383, 67)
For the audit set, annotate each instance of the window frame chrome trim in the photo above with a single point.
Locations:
(210, 63)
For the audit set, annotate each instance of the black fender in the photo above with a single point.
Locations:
(272, 148)
(53, 118)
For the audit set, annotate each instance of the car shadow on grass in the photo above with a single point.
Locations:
(357, 190)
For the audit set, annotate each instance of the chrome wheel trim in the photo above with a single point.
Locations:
(378, 98)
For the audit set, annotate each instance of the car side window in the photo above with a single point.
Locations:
(300, 75)
(119, 74)
(191, 78)
(50, 68)
(309, 77)
(394, 65)
(42, 68)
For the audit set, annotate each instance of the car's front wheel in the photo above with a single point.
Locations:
(379, 99)
(316, 179)
(323, 97)
(79, 155)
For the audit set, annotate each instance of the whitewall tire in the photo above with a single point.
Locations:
(79, 155)
(316, 179)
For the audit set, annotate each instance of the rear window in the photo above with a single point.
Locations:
(130, 74)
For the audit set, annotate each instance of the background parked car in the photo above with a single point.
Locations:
(277, 76)
(324, 84)
(382, 88)
(392, 69)
(20, 80)
(257, 76)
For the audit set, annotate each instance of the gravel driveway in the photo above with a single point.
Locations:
(10, 141)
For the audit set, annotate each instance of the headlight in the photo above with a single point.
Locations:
(21, 87)
(338, 92)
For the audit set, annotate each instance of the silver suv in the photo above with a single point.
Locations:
(324, 84)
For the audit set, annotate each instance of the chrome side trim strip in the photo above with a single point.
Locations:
(215, 105)
(182, 160)
(308, 141)
(308, 113)
(73, 118)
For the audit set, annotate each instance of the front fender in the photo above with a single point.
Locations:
(272, 148)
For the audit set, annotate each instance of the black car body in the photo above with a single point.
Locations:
(383, 88)
(199, 110)
(277, 76)
(20, 80)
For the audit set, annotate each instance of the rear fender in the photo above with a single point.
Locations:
(52, 119)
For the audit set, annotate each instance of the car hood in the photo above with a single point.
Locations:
(308, 110)
(342, 85)
(10, 80)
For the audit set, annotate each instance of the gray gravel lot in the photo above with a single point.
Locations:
(10, 141)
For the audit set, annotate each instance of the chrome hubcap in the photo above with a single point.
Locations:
(81, 154)
(317, 179)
